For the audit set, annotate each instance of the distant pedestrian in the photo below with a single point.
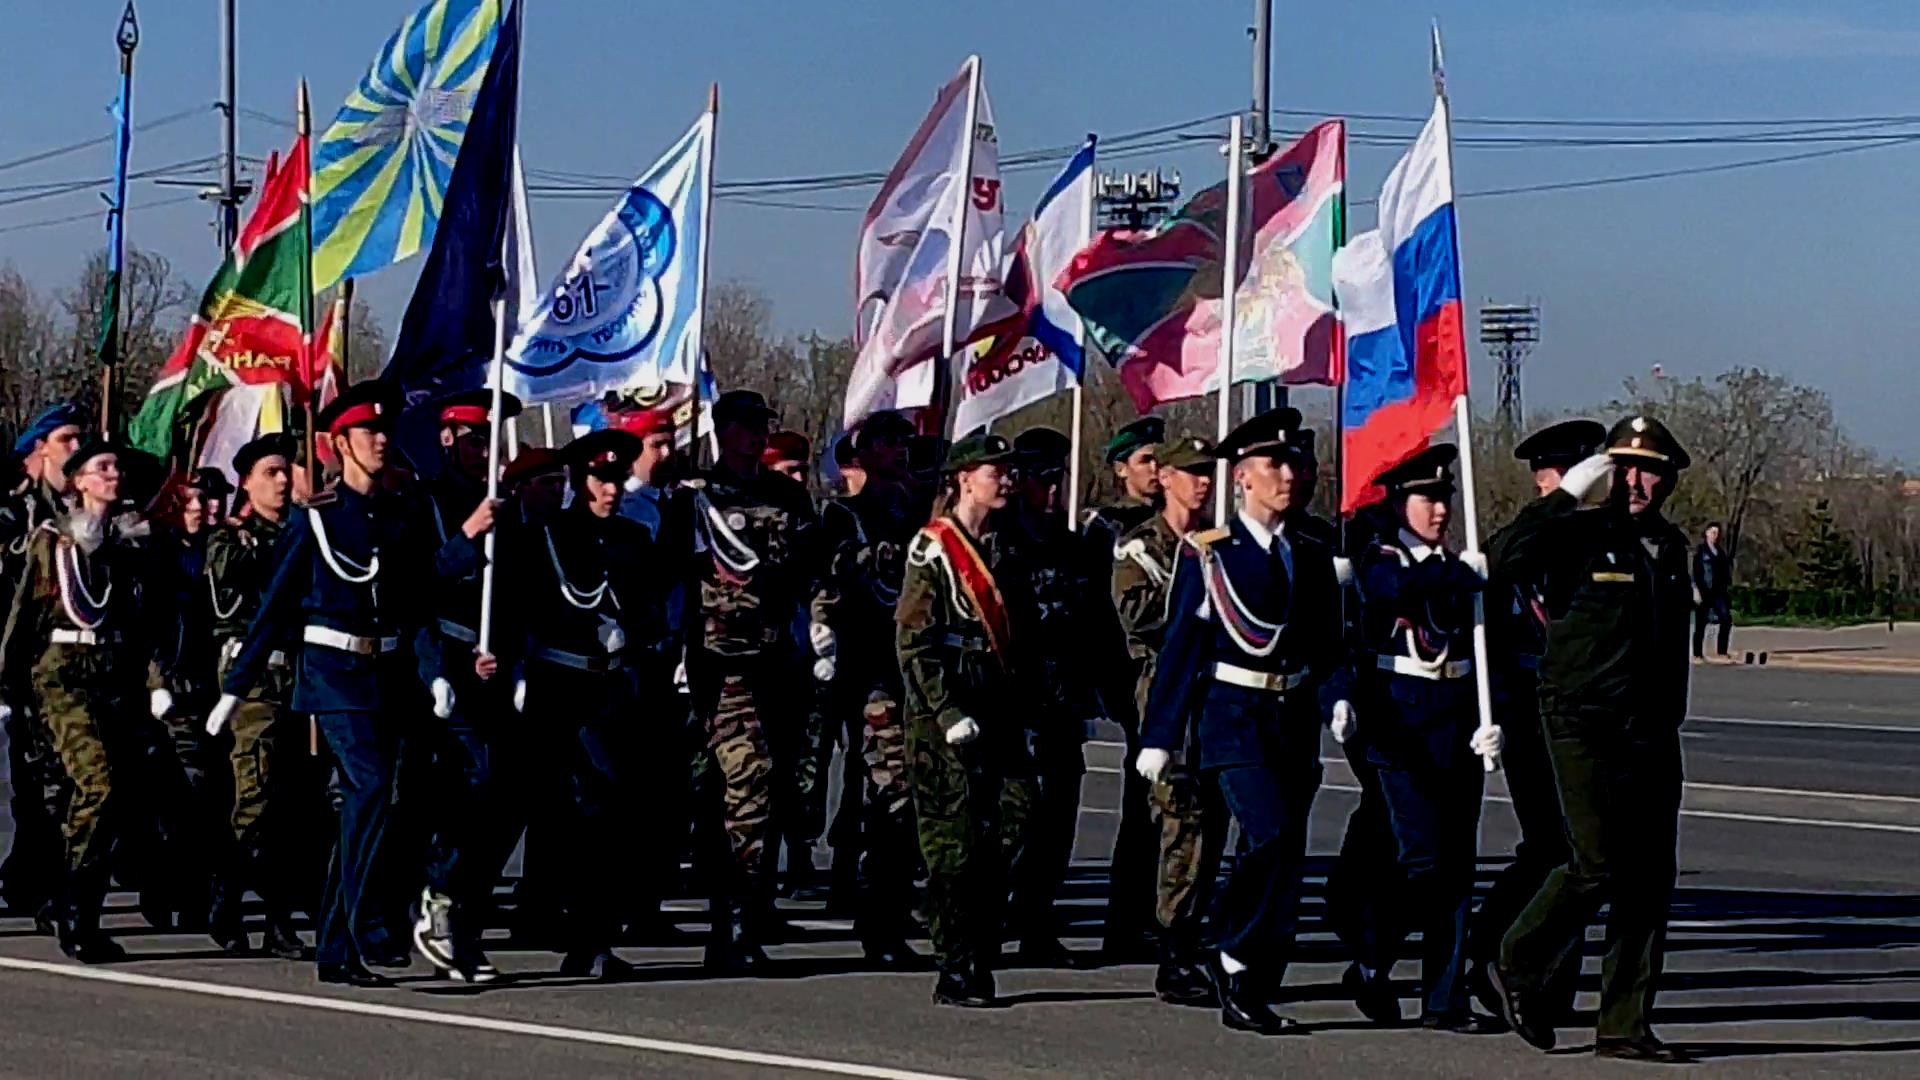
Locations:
(1712, 576)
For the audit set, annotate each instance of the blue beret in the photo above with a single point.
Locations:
(54, 418)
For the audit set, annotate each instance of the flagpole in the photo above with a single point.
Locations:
(1229, 279)
(1463, 432)
(546, 415)
(304, 129)
(496, 379)
(700, 363)
(108, 348)
(950, 324)
(1080, 335)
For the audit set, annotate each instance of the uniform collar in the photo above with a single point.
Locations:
(1262, 535)
(1415, 546)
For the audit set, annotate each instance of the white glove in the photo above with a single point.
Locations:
(1475, 561)
(1343, 569)
(1152, 764)
(217, 719)
(1488, 741)
(1590, 476)
(680, 676)
(520, 696)
(1343, 723)
(442, 698)
(823, 669)
(821, 635)
(612, 638)
(6, 713)
(1698, 600)
(963, 732)
(160, 703)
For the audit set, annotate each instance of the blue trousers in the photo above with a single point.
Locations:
(466, 845)
(1434, 813)
(364, 756)
(1255, 914)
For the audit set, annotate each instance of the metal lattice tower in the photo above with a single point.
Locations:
(1509, 332)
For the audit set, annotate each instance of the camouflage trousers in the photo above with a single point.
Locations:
(92, 723)
(1193, 825)
(271, 782)
(889, 850)
(972, 804)
(733, 714)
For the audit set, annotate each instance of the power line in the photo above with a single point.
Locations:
(99, 140)
(95, 214)
(70, 187)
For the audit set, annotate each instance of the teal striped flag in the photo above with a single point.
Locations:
(381, 171)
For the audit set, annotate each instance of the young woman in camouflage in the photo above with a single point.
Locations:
(967, 761)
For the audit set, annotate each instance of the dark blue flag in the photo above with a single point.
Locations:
(446, 338)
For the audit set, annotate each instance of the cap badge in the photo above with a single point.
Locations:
(1639, 424)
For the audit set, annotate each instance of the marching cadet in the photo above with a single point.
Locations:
(73, 646)
(32, 871)
(798, 815)
(1613, 693)
(348, 586)
(746, 538)
(1192, 820)
(591, 613)
(1517, 636)
(875, 852)
(961, 615)
(1420, 713)
(451, 754)
(1252, 634)
(1058, 568)
(266, 755)
(1132, 453)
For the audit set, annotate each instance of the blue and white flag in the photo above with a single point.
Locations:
(626, 310)
(1042, 358)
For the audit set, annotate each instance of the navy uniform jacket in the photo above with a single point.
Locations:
(1422, 608)
(577, 575)
(1239, 725)
(451, 631)
(304, 590)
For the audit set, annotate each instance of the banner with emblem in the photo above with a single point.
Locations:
(626, 310)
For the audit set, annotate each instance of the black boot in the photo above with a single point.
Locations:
(1375, 997)
(731, 949)
(223, 918)
(1240, 1007)
(81, 939)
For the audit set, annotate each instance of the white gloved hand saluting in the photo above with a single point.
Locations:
(160, 703)
(1590, 477)
(963, 732)
(222, 712)
(442, 698)
(1343, 722)
(1152, 764)
(1488, 741)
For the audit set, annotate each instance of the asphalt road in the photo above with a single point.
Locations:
(1794, 950)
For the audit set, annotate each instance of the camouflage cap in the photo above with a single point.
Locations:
(1188, 453)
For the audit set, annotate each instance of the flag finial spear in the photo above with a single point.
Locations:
(1438, 60)
(304, 109)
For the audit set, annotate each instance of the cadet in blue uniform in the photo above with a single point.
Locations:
(593, 611)
(470, 703)
(349, 579)
(1252, 637)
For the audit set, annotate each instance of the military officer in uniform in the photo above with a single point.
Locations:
(592, 614)
(1517, 636)
(266, 756)
(1192, 821)
(875, 852)
(1613, 693)
(450, 756)
(349, 584)
(746, 538)
(1252, 637)
(31, 874)
(962, 622)
(1418, 708)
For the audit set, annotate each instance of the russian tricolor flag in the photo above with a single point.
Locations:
(1399, 292)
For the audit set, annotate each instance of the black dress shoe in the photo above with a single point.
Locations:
(281, 941)
(1374, 997)
(601, 966)
(95, 948)
(1466, 1023)
(1240, 1008)
(231, 939)
(964, 990)
(395, 959)
(1044, 952)
(1647, 1048)
(1184, 984)
(1520, 1013)
(351, 974)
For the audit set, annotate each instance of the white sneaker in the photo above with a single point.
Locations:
(433, 929)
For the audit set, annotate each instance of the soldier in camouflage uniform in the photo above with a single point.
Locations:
(746, 538)
(1193, 821)
(32, 870)
(867, 534)
(1065, 655)
(266, 756)
(73, 638)
(967, 691)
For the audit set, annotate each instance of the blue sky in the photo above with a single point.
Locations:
(1804, 268)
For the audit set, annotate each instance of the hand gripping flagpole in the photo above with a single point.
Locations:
(1463, 431)
(1229, 279)
(950, 324)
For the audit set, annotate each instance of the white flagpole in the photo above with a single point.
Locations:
(1079, 383)
(546, 415)
(496, 378)
(1463, 432)
(1229, 279)
(943, 385)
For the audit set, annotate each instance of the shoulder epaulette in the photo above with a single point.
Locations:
(923, 548)
(1206, 538)
(323, 497)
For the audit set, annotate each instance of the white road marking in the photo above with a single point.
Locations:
(1749, 721)
(460, 1020)
(1726, 815)
(1805, 793)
